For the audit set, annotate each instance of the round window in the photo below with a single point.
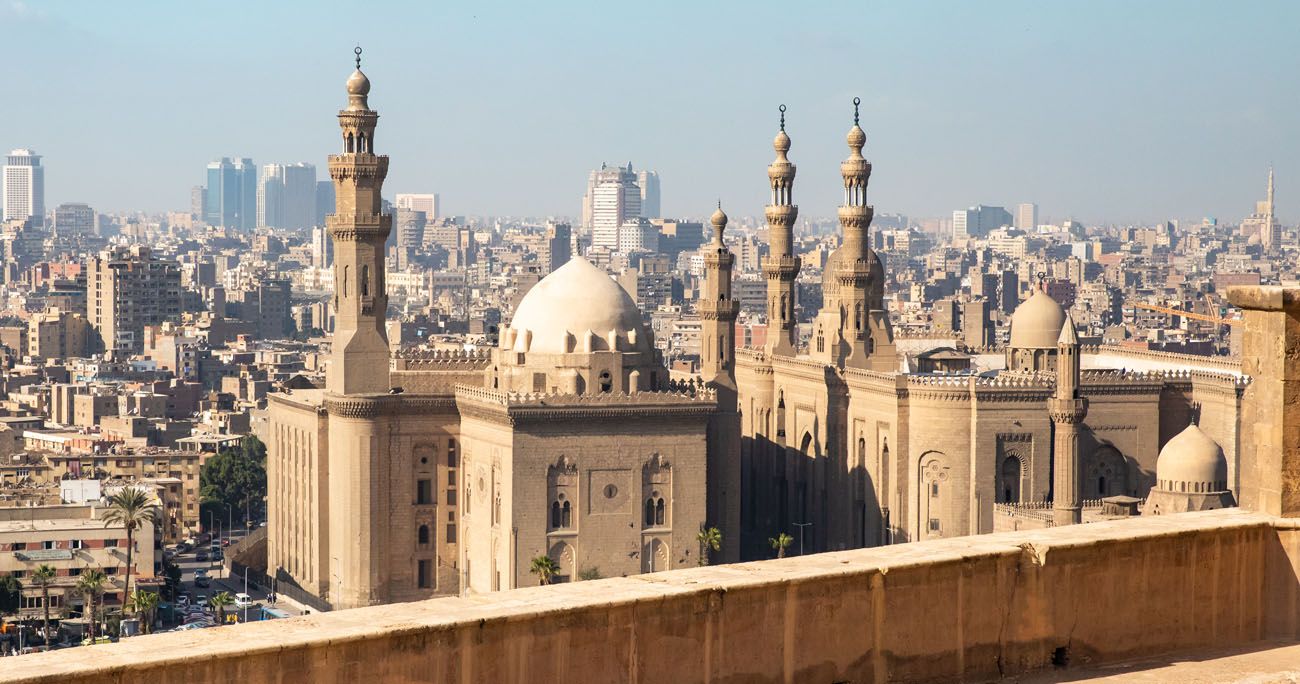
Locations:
(610, 491)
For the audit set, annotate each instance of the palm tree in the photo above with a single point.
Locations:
(91, 585)
(43, 577)
(219, 601)
(145, 603)
(709, 539)
(544, 568)
(131, 508)
(779, 542)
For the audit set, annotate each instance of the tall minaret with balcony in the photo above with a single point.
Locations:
(781, 265)
(1067, 410)
(854, 273)
(718, 310)
(359, 362)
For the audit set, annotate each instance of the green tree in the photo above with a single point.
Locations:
(544, 568)
(11, 593)
(219, 602)
(132, 508)
(590, 574)
(172, 576)
(43, 577)
(90, 586)
(710, 539)
(145, 606)
(780, 542)
(235, 480)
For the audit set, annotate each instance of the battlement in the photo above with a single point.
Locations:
(415, 359)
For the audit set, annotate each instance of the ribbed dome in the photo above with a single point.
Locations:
(572, 300)
(1192, 457)
(781, 143)
(719, 220)
(857, 138)
(1037, 323)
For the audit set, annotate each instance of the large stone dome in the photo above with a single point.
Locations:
(1037, 323)
(556, 315)
(1193, 459)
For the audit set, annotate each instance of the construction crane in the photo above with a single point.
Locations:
(1188, 314)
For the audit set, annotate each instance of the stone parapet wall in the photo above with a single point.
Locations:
(971, 608)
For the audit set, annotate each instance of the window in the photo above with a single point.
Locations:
(74, 544)
(934, 524)
(934, 490)
(451, 454)
(51, 545)
(555, 515)
(423, 537)
(423, 574)
(451, 533)
(566, 515)
(73, 572)
(451, 478)
(424, 492)
(451, 497)
(649, 512)
(659, 512)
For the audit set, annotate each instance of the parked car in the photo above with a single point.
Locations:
(201, 599)
(217, 555)
(201, 556)
(243, 600)
(183, 601)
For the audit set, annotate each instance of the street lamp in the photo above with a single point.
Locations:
(801, 526)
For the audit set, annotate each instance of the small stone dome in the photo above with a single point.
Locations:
(573, 300)
(719, 221)
(781, 143)
(1193, 459)
(358, 84)
(1037, 323)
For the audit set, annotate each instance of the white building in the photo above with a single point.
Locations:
(978, 220)
(429, 203)
(1027, 216)
(614, 199)
(24, 187)
(638, 235)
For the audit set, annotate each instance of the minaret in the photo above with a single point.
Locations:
(854, 273)
(781, 265)
(717, 310)
(359, 362)
(1067, 409)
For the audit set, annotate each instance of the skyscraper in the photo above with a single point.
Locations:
(74, 219)
(558, 246)
(24, 187)
(1026, 216)
(612, 198)
(231, 200)
(286, 196)
(978, 220)
(324, 201)
(649, 183)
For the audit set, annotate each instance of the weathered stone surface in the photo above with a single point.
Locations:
(971, 608)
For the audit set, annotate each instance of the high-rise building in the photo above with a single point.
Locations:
(72, 219)
(127, 288)
(198, 202)
(24, 187)
(613, 198)
(429, 203)
(1027, 216)
(324, 201)
(638, 235)
(978, 220)
(286, 196)
(231, 198)
(558, 248)
(649, 183)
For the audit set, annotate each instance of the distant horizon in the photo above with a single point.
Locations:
(1111, 113)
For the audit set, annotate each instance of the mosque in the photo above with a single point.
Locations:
(416, 474)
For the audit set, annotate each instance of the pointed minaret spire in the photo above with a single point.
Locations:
(1067, 409)
(781, 266)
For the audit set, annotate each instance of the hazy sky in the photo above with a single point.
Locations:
(1105, 111)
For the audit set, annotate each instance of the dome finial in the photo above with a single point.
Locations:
(782, 108)
(856, 101)
(719, 221)
(358, 53)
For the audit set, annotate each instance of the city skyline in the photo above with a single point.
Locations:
(1076, 92)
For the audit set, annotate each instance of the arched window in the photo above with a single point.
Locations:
(424, 534)
(345, 281)
(347, 147)
(722, 354)
(451, 454)
(365, 280)
(649, 512)
(1011, 480)
(1101, 485)
(555, 515)
(659, 512)
(566, 516)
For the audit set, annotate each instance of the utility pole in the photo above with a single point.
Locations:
(801, 526)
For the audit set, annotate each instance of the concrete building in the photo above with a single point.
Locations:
(127, 288)
(73, 219)
(286, 196)
(1262, 226)
(557, 249)
(429, 203)
(1027, 216)
(55, 334)
(978, 220)
(24, 187)
(231, 194)
(613, 198)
